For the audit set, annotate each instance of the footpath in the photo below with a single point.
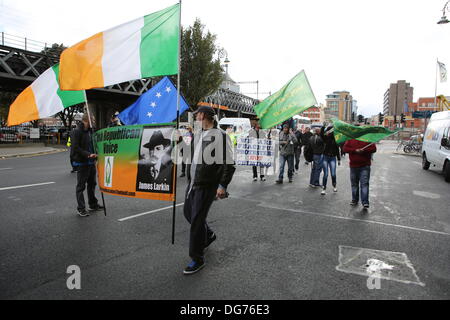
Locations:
(27, 150)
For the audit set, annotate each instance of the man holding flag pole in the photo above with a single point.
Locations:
(360, 156)
(360, 145)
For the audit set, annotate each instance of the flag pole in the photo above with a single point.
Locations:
(90, 124)
(178, 126)
(435, 92)
(435, 79)
(378, 141)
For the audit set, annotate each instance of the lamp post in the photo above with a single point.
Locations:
(444, 19)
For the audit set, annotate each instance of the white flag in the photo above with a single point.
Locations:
(442, 71)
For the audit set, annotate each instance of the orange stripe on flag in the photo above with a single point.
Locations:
(81, 65)
(23, 109)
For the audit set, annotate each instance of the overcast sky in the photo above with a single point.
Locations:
(356, 45)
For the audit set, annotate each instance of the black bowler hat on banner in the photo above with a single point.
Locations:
(156, 139)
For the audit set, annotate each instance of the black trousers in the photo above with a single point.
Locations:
(74, 168)
(196, 207)
(297, 153)
(86, 175)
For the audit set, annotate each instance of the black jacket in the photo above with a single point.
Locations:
(316, 144)
(82, 145)
(305, 138)
(331, 147)
(211, 175)
(299, 137)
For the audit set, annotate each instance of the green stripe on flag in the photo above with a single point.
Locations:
(68, 98)
(295, 97)
(159, 42)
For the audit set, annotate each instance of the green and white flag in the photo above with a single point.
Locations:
(344, 131)
(295, 97)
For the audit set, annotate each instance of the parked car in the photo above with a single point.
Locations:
(436, 143)
(24, 133)
(9, 135)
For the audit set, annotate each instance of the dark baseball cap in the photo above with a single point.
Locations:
(206, 109)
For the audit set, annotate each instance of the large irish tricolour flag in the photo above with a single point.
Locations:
(43, 98)
(142, 48)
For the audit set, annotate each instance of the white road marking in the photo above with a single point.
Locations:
(357, 261)
(353, 219)
(5, 169)
(26, 186)
(391, 211)
(426, 194)
(145, 213)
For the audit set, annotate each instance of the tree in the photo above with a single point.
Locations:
(201, 72)
(360, 118)
(54, 52)
(68, 114)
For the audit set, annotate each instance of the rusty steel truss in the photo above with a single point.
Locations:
(236, 102)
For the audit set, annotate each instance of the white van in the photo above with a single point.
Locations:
(436, 143)
(239, 125)
(235, 127)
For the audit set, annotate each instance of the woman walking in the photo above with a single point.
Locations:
(330, 153)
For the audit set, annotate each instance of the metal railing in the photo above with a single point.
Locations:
(22, 43)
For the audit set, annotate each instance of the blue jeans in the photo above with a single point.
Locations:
(290, 161)
(329, 163)
(360, 176)
(316, 169)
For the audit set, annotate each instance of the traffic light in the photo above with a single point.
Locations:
(353, 117)
(380, 118)
(395, 119)
(402, 118)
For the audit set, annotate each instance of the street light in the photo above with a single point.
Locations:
(224, 54)
(444, 19)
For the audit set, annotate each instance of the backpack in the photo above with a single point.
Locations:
(308, 153)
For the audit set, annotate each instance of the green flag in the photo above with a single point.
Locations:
(344, 131)
(295, 97)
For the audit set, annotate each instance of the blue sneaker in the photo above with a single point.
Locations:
(193, 267)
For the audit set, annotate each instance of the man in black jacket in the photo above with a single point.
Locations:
(209, 174)
(305, 140)
(297, 148)
(84, 159)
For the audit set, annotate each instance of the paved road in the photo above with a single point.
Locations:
(274, 241)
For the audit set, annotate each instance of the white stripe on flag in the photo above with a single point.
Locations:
(45, 92)
(121, 53)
